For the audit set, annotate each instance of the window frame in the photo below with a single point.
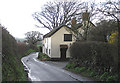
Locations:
(67, 37)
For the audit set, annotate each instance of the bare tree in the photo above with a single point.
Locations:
(33, 37)
(89, 13)
(103, 30)
(54, 14)
(111, 9)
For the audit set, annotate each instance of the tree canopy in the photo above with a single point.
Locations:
(33, 37)
(103, 30)
(54, 14)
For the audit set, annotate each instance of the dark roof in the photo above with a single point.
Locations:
(57, 28)
(53, 31)
(92, 24)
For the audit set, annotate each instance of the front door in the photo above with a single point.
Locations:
(63, 49)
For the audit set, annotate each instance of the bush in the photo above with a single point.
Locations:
(103, 76)
(102, 29)
(99, 55)
(43, 57)
(12, 68)
(70, 66)
(22, 48)
(80, 69)
(113, 38)
(112, 78)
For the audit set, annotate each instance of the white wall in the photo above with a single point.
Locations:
(47, 46)
(57, 40)
(43, 47)
(53, 43)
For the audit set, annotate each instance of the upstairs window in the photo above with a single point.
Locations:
(67, 37)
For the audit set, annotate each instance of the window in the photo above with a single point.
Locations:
(46, 51)
(67, 37)
(49, 51)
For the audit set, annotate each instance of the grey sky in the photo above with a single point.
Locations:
(16, 15)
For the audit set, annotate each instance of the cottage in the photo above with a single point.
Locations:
(57, 42)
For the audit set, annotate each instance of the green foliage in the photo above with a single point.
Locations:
(79, 69)
(43, 57)
(70, 66)
(12, 68)
(103, 76)
(112, 78)
(107, 77)
(95, 54)
(101, 57)
(90, 72)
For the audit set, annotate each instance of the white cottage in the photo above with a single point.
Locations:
(57, 42)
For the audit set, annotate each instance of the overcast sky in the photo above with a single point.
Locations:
(16, 16)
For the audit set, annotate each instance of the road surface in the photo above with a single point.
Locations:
(41, 71)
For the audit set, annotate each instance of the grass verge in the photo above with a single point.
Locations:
(91, 73)
(43, 57)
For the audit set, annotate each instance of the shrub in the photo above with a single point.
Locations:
(102, 29)
(113, 38)
(80, 69)
(43, 57)
(112, 78)
(99, 55)
(70, 66)
(22, 48)
(92, 74)
(103, 76)
(12, 68)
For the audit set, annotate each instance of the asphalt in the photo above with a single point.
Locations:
(48, 70)
(59, 64)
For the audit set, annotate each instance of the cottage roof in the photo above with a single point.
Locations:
(92, 24)
(57, 28)
(53, 31)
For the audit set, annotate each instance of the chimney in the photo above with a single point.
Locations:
(85, 16)
(74, 21)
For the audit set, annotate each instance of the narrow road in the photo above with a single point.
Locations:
(40, 71)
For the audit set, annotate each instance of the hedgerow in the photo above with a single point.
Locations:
(100, 56)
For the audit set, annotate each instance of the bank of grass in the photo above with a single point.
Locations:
(12, 68)
(91, 73)
(43, 57)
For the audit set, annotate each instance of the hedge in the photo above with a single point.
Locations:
(12, 68)
(102, 57)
